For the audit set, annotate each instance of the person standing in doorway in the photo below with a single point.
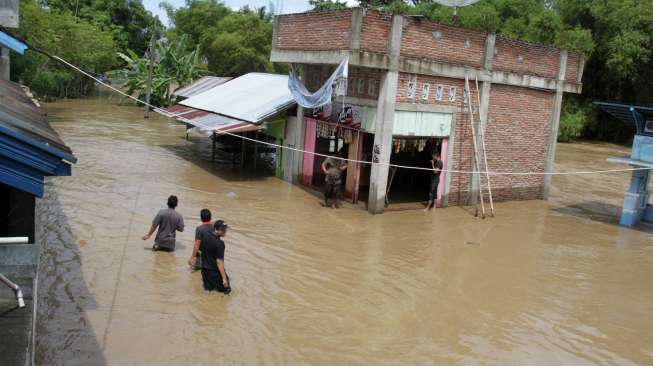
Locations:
(214, 275)
(436, 166)
(333, 168)
(168, 221)
(205, 228)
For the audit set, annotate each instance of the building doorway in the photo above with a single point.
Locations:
(409, 188)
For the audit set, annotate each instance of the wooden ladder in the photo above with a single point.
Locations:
(480, 156)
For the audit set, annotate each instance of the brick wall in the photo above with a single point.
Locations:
(423, 39)
(451, 95)
(375, 31)
(325, 30)
(525, 58)
(362, 82)
(461, 160)
(517, 138)
(573, 63)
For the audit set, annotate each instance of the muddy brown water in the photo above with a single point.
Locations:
(542, 283)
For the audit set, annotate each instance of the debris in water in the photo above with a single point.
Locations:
(472, 243)
(232, 195)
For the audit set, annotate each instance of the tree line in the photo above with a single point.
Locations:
(616, 37)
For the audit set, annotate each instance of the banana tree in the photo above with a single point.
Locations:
(176, 67)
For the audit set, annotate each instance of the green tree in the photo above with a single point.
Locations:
(127, 20)
(176, 68)
(327, 4)
(195, 18)
(238, 44)
(60, 34)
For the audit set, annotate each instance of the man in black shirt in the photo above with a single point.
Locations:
(200, 231)
(436, 165)
(212, 248)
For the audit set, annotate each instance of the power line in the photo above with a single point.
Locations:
(163, 112)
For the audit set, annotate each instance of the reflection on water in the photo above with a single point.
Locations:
(542, 283)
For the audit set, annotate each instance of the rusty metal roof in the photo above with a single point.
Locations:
(20, 114)
(201, 85)
(207, 121)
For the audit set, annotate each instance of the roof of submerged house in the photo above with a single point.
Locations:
(239, 105)
(30, 148)
(251, 98)
(200, 86)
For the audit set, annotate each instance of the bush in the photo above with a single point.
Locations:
(573, 120)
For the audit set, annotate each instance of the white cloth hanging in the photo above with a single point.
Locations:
(323, 95)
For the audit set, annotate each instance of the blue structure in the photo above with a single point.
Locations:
(30, 149)
(636, 207)
(12, 43)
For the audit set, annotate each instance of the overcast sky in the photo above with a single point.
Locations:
(289, 6)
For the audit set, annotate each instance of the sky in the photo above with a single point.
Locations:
(289, 6)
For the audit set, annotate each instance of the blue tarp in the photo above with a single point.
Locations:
(323, 95)
(12, 43)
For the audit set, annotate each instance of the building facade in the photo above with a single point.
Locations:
(406, 94)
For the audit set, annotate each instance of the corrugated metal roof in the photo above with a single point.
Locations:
(18, 113)
(251, 98)
(30, 149)
(200, 86)
(207, 121)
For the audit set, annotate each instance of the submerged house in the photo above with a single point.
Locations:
(30, 150)
(255, 105)
(407, 96)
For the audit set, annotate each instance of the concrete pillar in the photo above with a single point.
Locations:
(299, 136)
(4, 63)
(384, 124)
(555, 124)
(356, 27)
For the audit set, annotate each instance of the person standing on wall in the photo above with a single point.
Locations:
(205, 228)
(168, 221)
(333, 167)
(436, 166)
(214, 275)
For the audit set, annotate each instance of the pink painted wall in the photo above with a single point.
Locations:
(309, 145)
(444, 150)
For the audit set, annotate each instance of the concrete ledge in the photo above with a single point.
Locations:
(19, 254)
(423, 67)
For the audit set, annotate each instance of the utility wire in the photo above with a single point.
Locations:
(226, 132)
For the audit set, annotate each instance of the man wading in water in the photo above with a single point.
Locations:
(214, 276)
(200, 231)
(333, 168)
(436, 165)
(169, 222)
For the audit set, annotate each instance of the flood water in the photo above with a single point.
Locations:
(542, 283)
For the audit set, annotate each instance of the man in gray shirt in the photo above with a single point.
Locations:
(169, 222)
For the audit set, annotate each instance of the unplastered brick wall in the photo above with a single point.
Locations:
(362, 82)
(461, 160)
(433, 41)
(425, 89)
(573, 65)
(516, 139)
(324, 30)
(375, 31)
(525, 58)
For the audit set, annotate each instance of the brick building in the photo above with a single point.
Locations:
(406, 94)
